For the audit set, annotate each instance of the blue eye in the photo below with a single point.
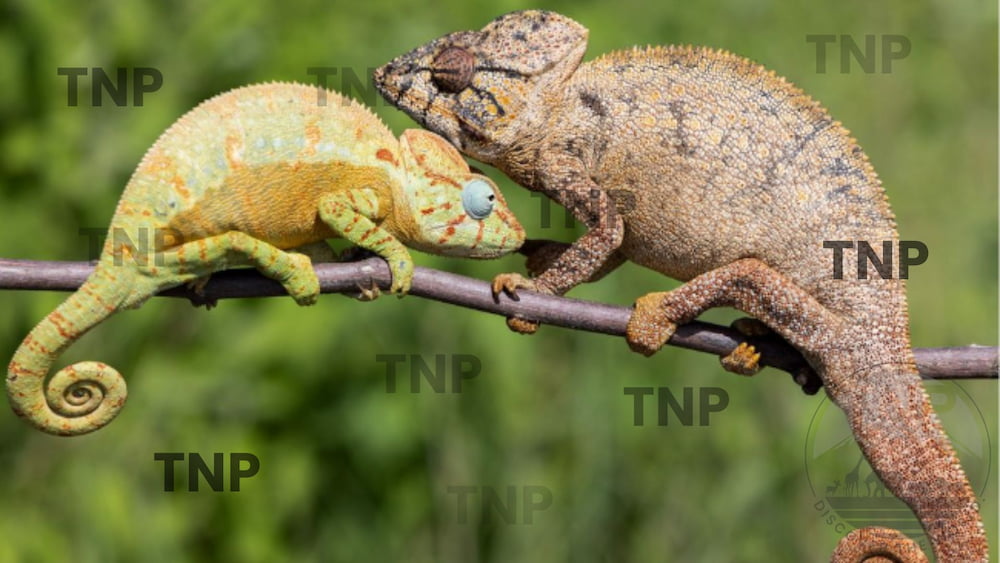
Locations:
(477, 199)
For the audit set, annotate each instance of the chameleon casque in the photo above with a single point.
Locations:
(710, 169)
(236, 182)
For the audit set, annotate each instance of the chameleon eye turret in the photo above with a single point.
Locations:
(452, 69)
(478, 199)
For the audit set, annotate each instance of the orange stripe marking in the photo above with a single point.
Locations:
(479, 235)
(435, 178)
(386, 155)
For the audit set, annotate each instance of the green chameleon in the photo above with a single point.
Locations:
(239, 181)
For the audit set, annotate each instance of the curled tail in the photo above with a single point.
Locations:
(84, 396)
(877, 544)
(903, 441)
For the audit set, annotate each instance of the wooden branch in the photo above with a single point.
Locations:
(968, 362)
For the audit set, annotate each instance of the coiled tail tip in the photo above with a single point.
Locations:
(79, 398)
(877, 545)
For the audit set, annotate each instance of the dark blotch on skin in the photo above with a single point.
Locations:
(593, 103)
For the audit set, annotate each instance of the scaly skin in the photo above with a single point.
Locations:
(710, 169)
(238, 181)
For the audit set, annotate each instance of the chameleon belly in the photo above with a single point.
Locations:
(293, 193)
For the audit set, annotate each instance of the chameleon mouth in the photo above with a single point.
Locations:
(385, 79)
(395, 81)
(481, 249)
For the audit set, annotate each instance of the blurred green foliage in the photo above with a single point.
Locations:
(350, 472)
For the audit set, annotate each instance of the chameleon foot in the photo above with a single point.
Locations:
(355, 254)
(198, 287)
(370, 293)
(648, 328)
(808, 380)
(804, 376)
(301, 282)
(522, 326)
(509, 284)
(401, 268)
(743, 360)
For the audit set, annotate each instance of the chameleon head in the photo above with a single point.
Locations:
(447, 209)
(471, 86)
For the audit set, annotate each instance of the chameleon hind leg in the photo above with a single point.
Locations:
(196, 260)
(748, 285)
(318, 252)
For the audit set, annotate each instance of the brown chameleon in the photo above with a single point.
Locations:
(710, 169)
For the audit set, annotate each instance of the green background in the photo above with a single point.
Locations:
(350, 472)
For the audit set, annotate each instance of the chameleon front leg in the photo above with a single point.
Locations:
(590, 257)
(350, 215)
(541, 254)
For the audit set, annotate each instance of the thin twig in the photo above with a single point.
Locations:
(968, 362)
